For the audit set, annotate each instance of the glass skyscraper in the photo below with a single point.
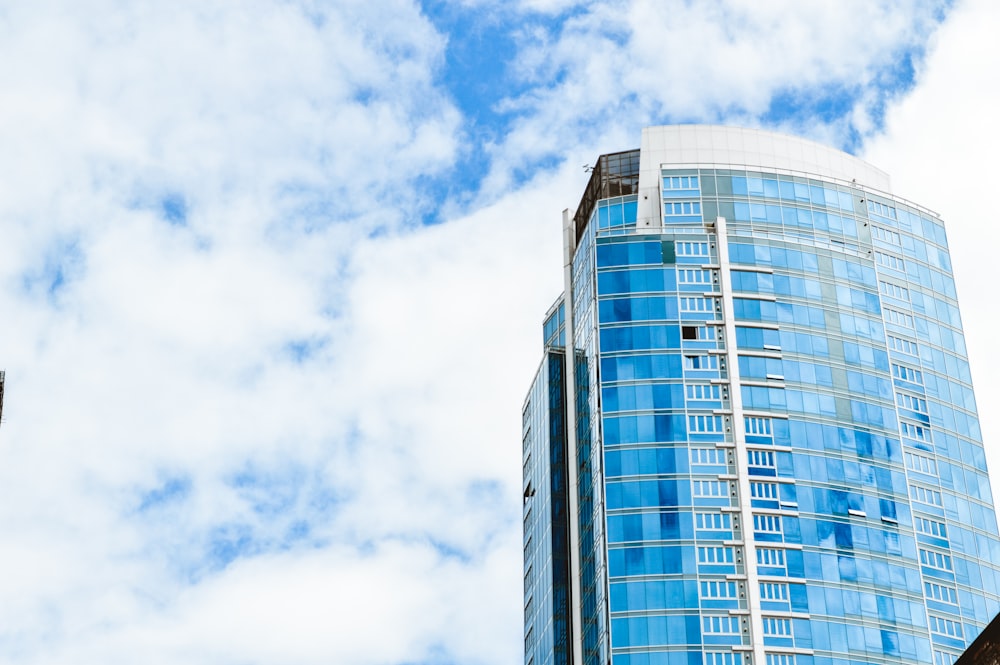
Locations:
(753, 438)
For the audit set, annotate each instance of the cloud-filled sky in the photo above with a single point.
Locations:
(272, 275)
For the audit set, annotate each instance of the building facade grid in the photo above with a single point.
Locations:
(776, 452)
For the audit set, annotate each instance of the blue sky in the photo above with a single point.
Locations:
(273, 274)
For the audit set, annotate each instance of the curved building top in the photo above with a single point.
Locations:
(738, 147)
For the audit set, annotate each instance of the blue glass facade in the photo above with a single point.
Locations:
(776, 456)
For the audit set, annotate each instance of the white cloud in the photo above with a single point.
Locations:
(181, 192)
(389, 605)
(441, 343)
(547, 7)
(602, 75)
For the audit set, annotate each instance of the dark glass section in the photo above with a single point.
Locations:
(669, 252)
(589, 577)
(559, 482)
(547, 581)
(615, 174)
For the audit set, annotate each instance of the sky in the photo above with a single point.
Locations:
(272, 275)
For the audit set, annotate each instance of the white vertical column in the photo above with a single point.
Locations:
(572, 465)
(739, 437)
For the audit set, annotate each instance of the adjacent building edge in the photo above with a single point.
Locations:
(985, 649)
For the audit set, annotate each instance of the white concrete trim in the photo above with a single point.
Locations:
(573, 481)
(739, 437)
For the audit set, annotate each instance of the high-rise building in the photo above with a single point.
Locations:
(753, 438)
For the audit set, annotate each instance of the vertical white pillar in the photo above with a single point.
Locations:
(572, 464)
(739, 437)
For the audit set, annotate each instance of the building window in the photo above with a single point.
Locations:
(701, 362)
(697, 304)
(718, 589)
(728, 658)
(703, 391)
(715, 555)
(759, 490)
(890, 261)
(930, 527)
(911, 402)
(773, 591)
(761, 458)
(757, 425)
(898, 318)
(902, 345)
(681, 208)
(885, 235)
(693, 276)
(713, 521)
(944, 657)
(881, 209)
(894, 290)
(702, 333)
(777, 627)
(913, 431)
(940, 592)
(944, 626)
(782, 659)
(724, 625)
(767, 556)
(711, 456)
(766, 524)
(925, 495)
(935, 559)
(921, 463)
(711, 488)
(680, 182)
(692, 248)
(705, 424)
(908, 374)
